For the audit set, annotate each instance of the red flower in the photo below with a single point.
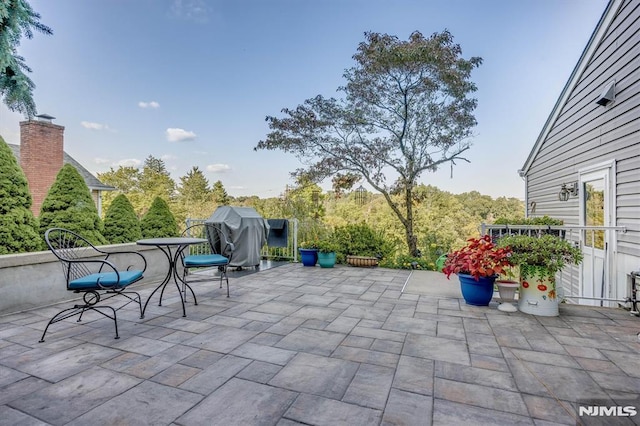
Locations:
(542, 287)
(525, 284)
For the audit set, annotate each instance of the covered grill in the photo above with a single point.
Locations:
(246, 229)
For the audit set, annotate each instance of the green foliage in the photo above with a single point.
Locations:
(543, 220)
(361, 240)
(407, 108)
(220, 195)
(547, 251)
(69, 205)
(121, 225)
(405, 261)
(159, 221)
(17, 20)
(18, 226)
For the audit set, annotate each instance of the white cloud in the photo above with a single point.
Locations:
(152, 104)
(99, 160)
(129, 162)
(178, 135)
(94, 126)
(192, 10)
(166, 157)
(218, 168)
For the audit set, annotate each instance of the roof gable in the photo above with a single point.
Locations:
(613, 7)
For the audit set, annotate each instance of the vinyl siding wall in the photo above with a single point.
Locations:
(586, 133)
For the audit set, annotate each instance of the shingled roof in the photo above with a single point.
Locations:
(92, 182)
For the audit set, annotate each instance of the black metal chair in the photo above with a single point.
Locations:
(90, 272)
(217, 252)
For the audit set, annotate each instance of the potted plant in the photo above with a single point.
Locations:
(539, 260)
(327, 248)
(361, 244)
(508, 283)
(309, 252)
(477, 266)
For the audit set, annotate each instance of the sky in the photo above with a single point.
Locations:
(191, 81)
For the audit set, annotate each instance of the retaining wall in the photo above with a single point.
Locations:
(31, 280)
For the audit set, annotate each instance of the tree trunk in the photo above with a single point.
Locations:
(412, 240)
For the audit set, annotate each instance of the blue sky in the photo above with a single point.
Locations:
(191, 81)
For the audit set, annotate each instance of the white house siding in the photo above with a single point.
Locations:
(585, 133)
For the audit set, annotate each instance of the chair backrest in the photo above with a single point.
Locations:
(218, 241)
(70, 247)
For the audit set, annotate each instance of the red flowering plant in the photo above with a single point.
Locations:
(479, 258)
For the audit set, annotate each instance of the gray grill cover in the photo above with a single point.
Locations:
(246, 229)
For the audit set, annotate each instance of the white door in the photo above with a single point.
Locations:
(595, 209)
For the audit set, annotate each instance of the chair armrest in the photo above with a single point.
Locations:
(102, 263)
(144, 260)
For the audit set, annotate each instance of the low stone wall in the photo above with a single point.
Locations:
(31, 280)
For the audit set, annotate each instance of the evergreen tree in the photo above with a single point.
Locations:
(220, 195)
(69, 205)
(159, 221)
(121, 225)
(17, 19)
(194, 199)
(127, 181)
(155, 180)
(18, 226)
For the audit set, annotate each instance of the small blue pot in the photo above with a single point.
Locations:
(308, 257)
(476, 293)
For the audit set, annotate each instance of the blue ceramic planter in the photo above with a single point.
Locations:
(476, 293)
(308, 257)
(326, 260)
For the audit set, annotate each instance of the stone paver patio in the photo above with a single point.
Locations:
(297, 345)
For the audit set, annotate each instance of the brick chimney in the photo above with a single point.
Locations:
(41, 156)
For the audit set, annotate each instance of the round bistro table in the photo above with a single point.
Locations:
(172, 247)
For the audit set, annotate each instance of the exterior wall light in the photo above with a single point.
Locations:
(567, 191)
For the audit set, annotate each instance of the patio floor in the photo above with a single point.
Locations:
(298, 345)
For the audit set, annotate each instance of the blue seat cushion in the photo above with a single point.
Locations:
(107, 279)
(196, 260)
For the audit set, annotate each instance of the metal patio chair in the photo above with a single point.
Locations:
(91, 272)
(216, 253)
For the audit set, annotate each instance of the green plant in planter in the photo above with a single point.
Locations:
(547, 254)
(361, 240)
(327, 244)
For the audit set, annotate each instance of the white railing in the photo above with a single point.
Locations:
(273, 253)
(587, 282)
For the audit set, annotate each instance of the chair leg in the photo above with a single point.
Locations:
(79, 310)
(224, 274)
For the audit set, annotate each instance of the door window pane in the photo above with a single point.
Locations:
(594, 214)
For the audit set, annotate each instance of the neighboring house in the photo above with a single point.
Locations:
(41, 156)
(585, 166)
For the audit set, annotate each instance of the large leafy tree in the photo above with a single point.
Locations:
(18, 226)
(407, 108)
(121, 225)
(127, 182)
(69, 205)
(17, 20)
